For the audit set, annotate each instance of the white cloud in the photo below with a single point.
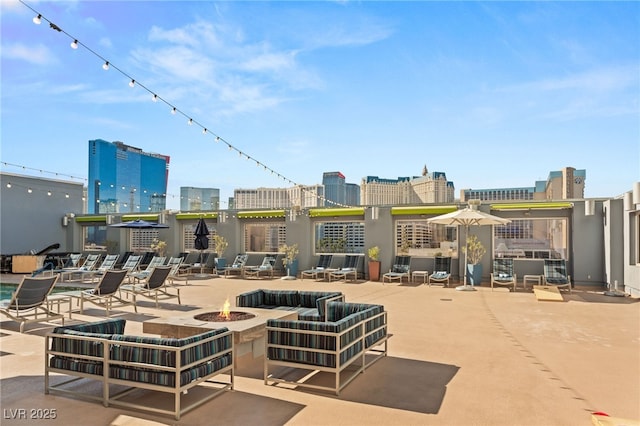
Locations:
(36, 54)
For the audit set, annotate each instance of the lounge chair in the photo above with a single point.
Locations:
(108, 263)
(29, 302)
(107, 293)
(442, 271)
(143, 275)
(401, 269)
(87, 269)
(265, 268)
(237, 266)
(555, 273)
(132, 263)
(503, 274)
(175, 263)
(155, 287)
(320, 270)
(349, 269)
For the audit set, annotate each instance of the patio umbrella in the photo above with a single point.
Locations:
(139, 224)
(467, 217)
(202, 239)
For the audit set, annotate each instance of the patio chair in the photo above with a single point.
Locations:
(143, 275)
(87, 269)
(109, 262)
(502, 274)
(132, 263)
(155, 287)
(555, 273)
(237, 266)
(106, 294)
(349, 269)
(265, 268)
(29, 302)
(401, 269)
(175, 263)
(442, 271)
(320, 270)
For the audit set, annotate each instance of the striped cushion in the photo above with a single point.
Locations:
(165, 357)
(166, 378)
(252, 299)
(100, 329)
(81, 366)
(281, 297)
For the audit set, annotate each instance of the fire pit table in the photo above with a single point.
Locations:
(248, 330)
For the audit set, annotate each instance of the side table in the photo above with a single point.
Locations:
(417, 274)
(533, 279)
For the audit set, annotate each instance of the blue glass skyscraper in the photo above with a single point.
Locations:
(125, 179)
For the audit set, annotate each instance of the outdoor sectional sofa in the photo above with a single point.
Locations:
(310, 305)
(101, 351)
(353, 337)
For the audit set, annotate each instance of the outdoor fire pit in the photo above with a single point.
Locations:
(222, 316)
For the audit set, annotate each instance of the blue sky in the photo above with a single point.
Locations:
(494, 94)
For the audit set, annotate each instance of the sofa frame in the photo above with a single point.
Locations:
(105, 355)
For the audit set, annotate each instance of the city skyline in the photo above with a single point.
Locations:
(493, 94)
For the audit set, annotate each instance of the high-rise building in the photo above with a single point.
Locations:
(560, 185)
(274, 198)
(431, 187)
(194, 199)
(338, 192)
(124, 179)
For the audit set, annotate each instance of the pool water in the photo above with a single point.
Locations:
(6, 290)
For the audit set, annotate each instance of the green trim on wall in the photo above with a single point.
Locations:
(532, 206)
(143, 216)
(412, 210)
(261, 214)
(184, 216)
(97, 218)
(333, 212)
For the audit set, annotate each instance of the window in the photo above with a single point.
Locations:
(264, 237)
(95, 237)
(141, 239)
(532, 239)
(420, 238)
(339, 237)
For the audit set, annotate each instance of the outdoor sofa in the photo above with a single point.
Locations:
(101, 351)
(310, 305)
(353, 337)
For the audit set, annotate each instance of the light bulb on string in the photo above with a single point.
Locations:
(132, 83)
(37, 19)
(217, 138)
(105, 66)
(9, 185)
(204, 131)
(190, 122)
(29, 190)
(74, 44)
(155, 98)
(174, 110)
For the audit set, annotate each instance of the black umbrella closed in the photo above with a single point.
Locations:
(202, 239)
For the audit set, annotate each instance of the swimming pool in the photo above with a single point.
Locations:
(7, 289)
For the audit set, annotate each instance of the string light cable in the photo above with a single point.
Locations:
(206, 130)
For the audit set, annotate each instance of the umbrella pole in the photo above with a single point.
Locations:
(465, 287)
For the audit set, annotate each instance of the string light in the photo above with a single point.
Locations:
(204, 131)
(190, 122)
(106, 65)
(155, 98)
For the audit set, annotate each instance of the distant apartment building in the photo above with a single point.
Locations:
(195, 199)
(560, 185)
(277, 198)
(125, 179)
(431, 187)
(338, 192)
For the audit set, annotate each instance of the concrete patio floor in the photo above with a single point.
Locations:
(455, 358)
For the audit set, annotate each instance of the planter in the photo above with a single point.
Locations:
(221, 263)
(374, 270)
(474, 274)
(292, 268)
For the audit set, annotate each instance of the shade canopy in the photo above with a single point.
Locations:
(139, 224)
